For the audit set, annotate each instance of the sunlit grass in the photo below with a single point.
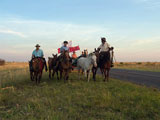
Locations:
(144, 66)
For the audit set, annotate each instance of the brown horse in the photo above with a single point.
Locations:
(64, 65)
(52, 64)
(38, 65)
(104, 63)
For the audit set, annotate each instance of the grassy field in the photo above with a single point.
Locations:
(144, 66)
(21, 99)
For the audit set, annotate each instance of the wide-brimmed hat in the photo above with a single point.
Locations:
(65, 42)
(103, 39)
(37, 45)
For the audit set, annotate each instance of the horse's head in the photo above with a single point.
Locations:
(96, 52)
(93, 58)
(65, 55)
(54, 59)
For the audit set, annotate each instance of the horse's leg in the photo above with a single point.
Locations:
(57, 75)
(102, 72)
(53, 74)
(79, 73)
(49, 73)
(88, 75)
(36, 77)
(31, 76)
(85, 73)
(39, 77)
(61, 74)
(105, 74)
(108, 75)
(65, 75)
(94, 71)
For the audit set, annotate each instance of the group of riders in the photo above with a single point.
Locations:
(104, 50)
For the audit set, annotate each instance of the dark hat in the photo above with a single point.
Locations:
(103, 39)
(65, 42)
(37, 45)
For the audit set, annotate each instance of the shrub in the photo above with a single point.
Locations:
(121, 63)
(139, 63)
(2, 62)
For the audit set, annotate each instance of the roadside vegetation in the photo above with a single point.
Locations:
(22, 99)
(144, 66)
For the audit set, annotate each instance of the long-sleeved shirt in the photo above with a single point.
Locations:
(104, 47)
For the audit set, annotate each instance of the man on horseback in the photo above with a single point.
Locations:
(62, 50)
(104, 49)
(38, 53)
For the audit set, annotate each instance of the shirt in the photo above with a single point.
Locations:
(63, 48)
(74, 56)
(104, 47)
(38, 53)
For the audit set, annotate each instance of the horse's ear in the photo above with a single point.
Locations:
(53, 55)
(95, 49)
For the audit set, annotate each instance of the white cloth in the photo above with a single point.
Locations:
(104, 47)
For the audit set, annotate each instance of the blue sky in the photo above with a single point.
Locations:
(131, 26)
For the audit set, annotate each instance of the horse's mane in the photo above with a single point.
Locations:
(104, 59)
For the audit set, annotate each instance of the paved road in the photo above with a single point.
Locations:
(151, 79)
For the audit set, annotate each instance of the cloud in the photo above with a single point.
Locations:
(13, 33)
(49, 34)
(149, 3)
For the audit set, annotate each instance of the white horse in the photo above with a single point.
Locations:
(86, 64)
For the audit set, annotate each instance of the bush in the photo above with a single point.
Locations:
(121, 63)
(139, 63)
(2, 62)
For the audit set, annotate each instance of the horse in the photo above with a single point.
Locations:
(65, 65)
(86, 64)
(38, 66)
(104, 63)
(52, 64)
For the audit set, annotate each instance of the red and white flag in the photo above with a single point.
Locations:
(71, 49)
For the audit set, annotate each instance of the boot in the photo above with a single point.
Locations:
(112, 65)
(30, 66)
(45, 65)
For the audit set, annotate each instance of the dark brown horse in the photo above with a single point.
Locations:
(64, 65)
(38, 65)
(52, 64)
(104, 63)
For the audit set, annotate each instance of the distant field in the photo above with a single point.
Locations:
(145, 66)
(13, 65)
(55, 100)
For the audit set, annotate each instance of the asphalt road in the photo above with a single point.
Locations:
(151, 79)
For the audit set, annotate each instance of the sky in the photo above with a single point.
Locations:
(132, 27)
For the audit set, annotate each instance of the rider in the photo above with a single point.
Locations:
(38, 53)
(104, 48)
(62, 49)
(74, 56)
(85, 53)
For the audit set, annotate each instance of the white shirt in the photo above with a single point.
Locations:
(104, 47)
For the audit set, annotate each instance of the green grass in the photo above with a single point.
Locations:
(21, 99)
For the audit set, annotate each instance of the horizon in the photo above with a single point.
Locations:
(132, 27)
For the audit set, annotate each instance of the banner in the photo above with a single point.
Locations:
(71, 49)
